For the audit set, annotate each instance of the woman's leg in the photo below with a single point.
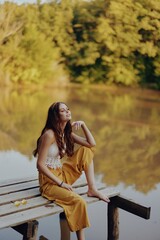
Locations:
(92, 190)
(74, 205)
(80, 234)
(82, 160)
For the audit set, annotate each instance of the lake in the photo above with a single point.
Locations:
(125, 123)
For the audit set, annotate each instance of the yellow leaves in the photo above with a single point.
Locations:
(154, 4)
(129, 29)
(145, 24)
(27, 75)
(9, 26)
(24, 202)
(90, 35)
(123, 11)
(111, 43)
(18, 203)
(122, 71)
(63, 29)
(156, 24)
(105, 28)
(108, 59)
(89, 53)
(148, 48)
(154, 14)
(107, 34)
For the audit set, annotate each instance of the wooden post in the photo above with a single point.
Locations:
(113, 222)
(132, 207)
(28, 230)
(65, 231)
(43, 238)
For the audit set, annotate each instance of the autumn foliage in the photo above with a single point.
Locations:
(100, 41)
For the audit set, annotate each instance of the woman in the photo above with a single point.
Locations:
(57, 140)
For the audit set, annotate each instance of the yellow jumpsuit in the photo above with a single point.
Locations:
(74, 205)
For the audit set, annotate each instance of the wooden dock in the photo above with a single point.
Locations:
(23, 218)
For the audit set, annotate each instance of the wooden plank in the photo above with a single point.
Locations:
(32, 184)
(19, 195)
(38, 201)
(31, 214)
(43, 211)
(18, 180)
(19, 187)
(81, 181)
(132, 207)
(31, 203)
(11, 197)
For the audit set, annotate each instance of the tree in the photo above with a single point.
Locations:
(10, 37)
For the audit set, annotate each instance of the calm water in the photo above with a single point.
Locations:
(126, 127)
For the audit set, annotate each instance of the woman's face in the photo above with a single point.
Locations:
(64, 113)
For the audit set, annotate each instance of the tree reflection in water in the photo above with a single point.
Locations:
(125, 124)
(126, 127)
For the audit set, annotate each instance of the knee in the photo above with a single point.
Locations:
(87, 149)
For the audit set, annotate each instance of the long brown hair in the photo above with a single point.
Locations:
(53, 122)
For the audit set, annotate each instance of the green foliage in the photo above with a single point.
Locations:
(94, 41)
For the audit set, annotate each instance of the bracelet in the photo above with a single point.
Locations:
(61, 184)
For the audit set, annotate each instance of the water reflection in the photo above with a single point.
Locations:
(16, 165)
(126, 127)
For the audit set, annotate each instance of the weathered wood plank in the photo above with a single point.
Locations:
(37, 201)
(131, 207)
(19, 195)
(31, 203)
(19, 187)
(30, 214)
(38, 207)
(80, 183)
(18, 180)
(43, 211)
(10, 182)
(11, 197)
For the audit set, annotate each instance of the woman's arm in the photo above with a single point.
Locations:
(88, 140)
(46, 140)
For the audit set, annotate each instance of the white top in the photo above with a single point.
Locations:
(53, 157)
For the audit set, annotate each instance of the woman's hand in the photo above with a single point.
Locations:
(77, 125)
(67, 186)
(88, 140)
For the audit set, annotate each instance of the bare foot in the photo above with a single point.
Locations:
(96, 193)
